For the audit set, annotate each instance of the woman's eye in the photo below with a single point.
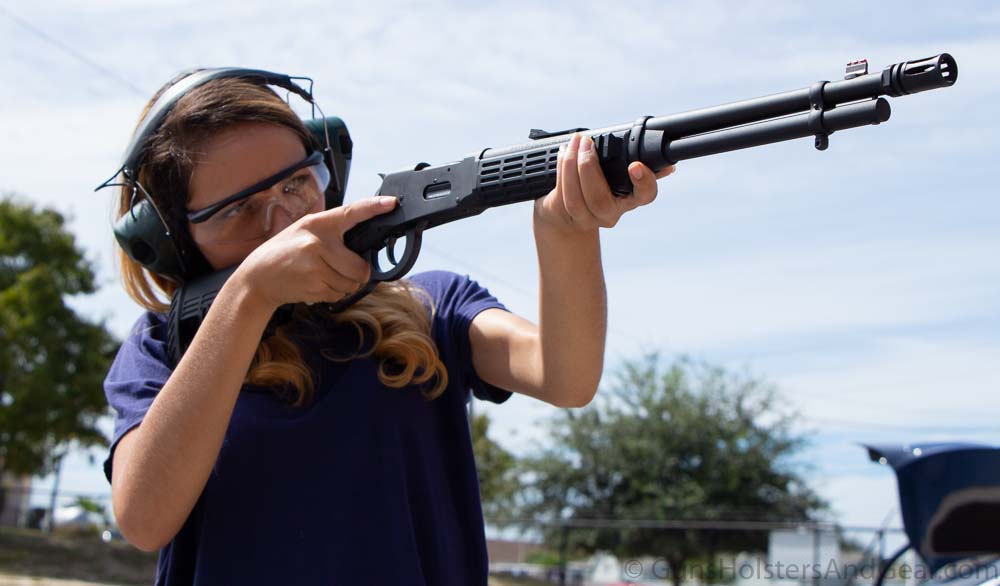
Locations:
(295, 184)
(235, 210)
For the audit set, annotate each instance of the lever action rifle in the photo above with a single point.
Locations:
(433, 195)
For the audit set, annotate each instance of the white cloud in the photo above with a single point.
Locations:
(823, 271)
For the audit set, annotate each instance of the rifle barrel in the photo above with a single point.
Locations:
(907, 77)
(776, 130)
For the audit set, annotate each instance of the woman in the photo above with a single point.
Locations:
(336, 450)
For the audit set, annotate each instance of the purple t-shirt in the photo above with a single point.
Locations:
(366, 485)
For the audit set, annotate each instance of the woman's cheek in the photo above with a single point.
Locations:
(222, 256)
(319, 206)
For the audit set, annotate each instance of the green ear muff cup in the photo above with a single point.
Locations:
(143, 237)
(342, 147)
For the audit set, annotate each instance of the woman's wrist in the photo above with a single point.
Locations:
(556, 231)
(242, 293)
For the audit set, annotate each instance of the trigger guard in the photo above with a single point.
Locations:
(413, 240)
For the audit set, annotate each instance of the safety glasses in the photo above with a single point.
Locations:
(248, 214)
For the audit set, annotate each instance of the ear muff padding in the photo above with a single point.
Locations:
(143, 237)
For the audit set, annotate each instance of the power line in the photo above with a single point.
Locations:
(843, 423)
(124, 82)
(703, 524)
(46, 491)
(142, 93)
(516, 288)
(911, 428)
(74, 53)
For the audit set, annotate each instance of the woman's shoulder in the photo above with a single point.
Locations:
(454, 293)
(149, 325)
(146, 340)
(141, 365)
(437, 278)
(447, 289)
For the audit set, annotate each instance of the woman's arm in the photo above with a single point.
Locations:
(560, 361)
(161, 466)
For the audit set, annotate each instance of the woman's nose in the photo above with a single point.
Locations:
(278, 218)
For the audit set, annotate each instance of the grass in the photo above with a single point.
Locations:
(508, 581)
(79, 556)
(83, 556)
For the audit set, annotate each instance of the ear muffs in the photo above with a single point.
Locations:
(143, 236)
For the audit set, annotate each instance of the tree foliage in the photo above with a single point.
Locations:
(497, 470)
(685, 442)
(52, 361)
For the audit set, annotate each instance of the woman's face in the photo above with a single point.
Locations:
(232, 161)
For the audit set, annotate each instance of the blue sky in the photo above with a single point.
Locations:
(862, 281)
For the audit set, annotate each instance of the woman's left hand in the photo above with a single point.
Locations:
(582, 200)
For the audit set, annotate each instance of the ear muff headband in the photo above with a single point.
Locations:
(196, 78)
(142, 231)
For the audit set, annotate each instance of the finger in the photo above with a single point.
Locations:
(572, 192)
(366, 209)
(554, 199)
(644, 187)
(346, 264)
(666, 171)
(552, 203)
(352, 214)
(325, 284)
(336, 286)
(596, 193)
(335, 290)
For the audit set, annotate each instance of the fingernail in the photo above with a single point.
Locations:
(586, 145)
(636, 172)
(386, 200)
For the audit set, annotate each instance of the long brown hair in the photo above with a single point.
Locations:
(392, 315)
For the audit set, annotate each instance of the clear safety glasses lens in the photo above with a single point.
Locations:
(262, 214)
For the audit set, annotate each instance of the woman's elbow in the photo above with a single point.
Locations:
(576, 397)
(139, 533)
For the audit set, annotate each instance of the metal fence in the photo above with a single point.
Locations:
(806, 553)
(20, 507)
(797, 552)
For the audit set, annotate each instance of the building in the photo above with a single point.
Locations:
(15, 492)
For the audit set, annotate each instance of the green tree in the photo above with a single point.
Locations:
(52, 361)
(685, 442)
(92, 506)
(497, 470)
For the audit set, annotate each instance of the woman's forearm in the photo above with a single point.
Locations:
(572, 312)
(167, 459)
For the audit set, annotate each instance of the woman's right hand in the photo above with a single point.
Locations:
(308, 261)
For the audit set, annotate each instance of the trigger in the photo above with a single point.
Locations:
(390, 249)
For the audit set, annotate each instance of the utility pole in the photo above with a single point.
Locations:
(55, 491)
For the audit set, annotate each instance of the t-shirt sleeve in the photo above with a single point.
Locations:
(458, 299)
(136, 376)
